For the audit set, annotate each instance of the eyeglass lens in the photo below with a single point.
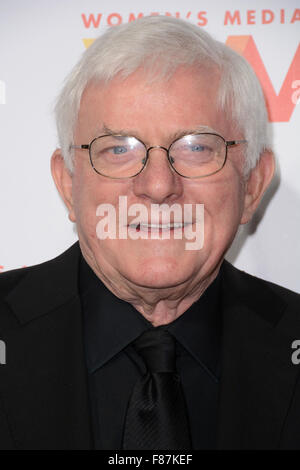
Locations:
(191, 156)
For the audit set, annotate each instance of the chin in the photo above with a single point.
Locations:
(158, 274)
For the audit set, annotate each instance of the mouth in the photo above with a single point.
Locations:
(145, 227)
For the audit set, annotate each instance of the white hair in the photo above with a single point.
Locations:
(161, 44)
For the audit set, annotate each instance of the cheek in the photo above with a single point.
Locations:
(228, 205)
(85, 203)
(89, 191)
(223, 206)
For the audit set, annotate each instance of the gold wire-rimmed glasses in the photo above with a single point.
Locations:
(191, 156)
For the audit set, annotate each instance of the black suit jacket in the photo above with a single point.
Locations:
(43, 385)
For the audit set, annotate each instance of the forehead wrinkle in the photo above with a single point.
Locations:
(104, 130)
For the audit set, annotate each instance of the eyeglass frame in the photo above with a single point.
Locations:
(228, 143)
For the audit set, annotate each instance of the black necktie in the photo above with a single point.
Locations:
(156, 416)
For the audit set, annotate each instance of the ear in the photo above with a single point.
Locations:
(63, 181)
(257, 183)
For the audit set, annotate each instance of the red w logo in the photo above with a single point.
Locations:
(281, 106)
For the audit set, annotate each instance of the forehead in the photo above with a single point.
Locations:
(187, 100)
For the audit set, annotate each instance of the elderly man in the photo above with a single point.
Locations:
(137, 337)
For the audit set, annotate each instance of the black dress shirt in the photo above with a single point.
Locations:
(111, 325)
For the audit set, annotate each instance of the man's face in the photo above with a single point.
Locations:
(155, 113)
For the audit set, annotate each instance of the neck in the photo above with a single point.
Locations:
(160, 306)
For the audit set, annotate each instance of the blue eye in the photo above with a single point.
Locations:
(119, 149)
(197, 148)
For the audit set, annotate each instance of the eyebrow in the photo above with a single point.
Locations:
(105, 130)
(199, 128)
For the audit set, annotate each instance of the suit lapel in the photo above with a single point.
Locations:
(45, 376)
(258, 377)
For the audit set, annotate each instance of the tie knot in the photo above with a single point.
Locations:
(157, 348)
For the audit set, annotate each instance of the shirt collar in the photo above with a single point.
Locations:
(110, 324)
(199, 328)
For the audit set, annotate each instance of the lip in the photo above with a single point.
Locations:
(145, 227)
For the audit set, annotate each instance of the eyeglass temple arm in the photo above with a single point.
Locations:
(84, 147)
(235, 142)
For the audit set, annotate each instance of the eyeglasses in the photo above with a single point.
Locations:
(191, 156)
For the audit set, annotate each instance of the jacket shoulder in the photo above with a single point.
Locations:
(35, 280)
(267, 299)
(243, 277)
(10, 279)
(245, 280)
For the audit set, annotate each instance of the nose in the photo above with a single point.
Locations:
(158, 181)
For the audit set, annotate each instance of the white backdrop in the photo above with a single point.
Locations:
(40, 40)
